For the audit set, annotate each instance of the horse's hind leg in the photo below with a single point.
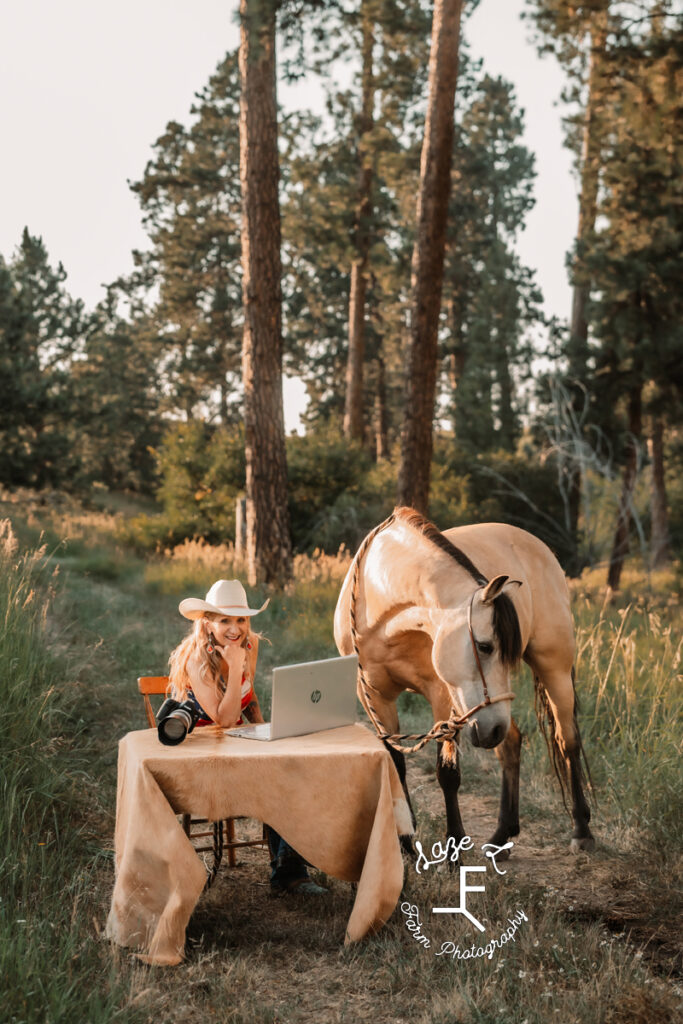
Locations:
(508, 753)
(558, 695)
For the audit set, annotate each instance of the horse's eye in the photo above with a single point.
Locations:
(484, 647)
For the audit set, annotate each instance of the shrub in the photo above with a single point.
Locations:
(202, 473)
(326, 475)
(499, 487)
(337, 493)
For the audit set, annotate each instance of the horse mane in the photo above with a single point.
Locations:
(505, 619)
(507, 631)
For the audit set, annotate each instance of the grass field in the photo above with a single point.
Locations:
(83, 617)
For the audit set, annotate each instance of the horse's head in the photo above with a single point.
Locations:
(495, 641)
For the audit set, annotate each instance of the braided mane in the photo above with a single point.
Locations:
(505, 619)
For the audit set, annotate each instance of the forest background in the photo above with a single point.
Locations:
(571, 429)
(130, 432)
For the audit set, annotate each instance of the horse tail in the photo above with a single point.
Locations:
(546, 721)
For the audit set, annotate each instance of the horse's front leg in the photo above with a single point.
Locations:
(399, 760)
(508, 753)
(387, 713)
(448, 774)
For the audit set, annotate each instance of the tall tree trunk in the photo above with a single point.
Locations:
(354, 420)
(456, 358)
(659, 529)
(428, 258)
(381, 425)
(507, 436)
(590, 173)
(268, 539)
(620, 545)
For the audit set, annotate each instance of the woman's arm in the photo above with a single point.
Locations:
(223, 709)
(252, 712)
(230, 706)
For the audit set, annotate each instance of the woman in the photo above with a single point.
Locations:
(214, 667)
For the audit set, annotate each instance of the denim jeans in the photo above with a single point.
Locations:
(286, 864)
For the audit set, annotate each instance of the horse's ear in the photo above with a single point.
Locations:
(426, 620)
(493, 589)
(496, 586)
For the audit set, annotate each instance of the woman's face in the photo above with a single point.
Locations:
(228, 629)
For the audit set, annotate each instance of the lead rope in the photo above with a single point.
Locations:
(445, 730)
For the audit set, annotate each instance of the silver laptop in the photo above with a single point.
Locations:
(307, 698)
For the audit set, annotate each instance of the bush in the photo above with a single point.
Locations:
(337, 493)
(499, 487)
(326, 474)
(202, 471)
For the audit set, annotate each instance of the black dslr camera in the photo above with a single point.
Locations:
(176, 720)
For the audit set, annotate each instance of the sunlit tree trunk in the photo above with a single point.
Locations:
(268, 539)
(506, 414)
(620, 546)
(354, 419)
(457, 357)
(381, 424)
(590, 174)
(428, 257)
(660, 552)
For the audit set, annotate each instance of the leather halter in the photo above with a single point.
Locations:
(487, 699)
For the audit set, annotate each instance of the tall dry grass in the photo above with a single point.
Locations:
(51, 964)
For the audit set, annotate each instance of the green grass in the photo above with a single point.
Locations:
(599, 945)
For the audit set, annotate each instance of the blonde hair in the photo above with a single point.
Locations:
(196, 645)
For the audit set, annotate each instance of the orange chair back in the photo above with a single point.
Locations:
(156, 686)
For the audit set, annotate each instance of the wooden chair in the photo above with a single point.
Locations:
(222, 833)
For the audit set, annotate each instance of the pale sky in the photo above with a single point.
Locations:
(87, 88)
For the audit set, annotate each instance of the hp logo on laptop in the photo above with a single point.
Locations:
(315, 696)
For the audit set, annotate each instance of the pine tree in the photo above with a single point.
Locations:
(623, 64)
(333, 170)
(354, 424)
(190, 198)
(40, 332)
(268, 538)
(634, 260)
(428, 257)
(116, 422)
(577, 34)
(491, 299)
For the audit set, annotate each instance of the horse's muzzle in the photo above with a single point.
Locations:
(487, 738)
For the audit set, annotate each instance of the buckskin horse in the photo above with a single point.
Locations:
(450, 615)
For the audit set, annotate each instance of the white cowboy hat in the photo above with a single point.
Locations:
(226, 597)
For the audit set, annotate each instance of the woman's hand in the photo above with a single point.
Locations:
(234, 658)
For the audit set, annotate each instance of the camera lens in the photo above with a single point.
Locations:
(174, 729)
